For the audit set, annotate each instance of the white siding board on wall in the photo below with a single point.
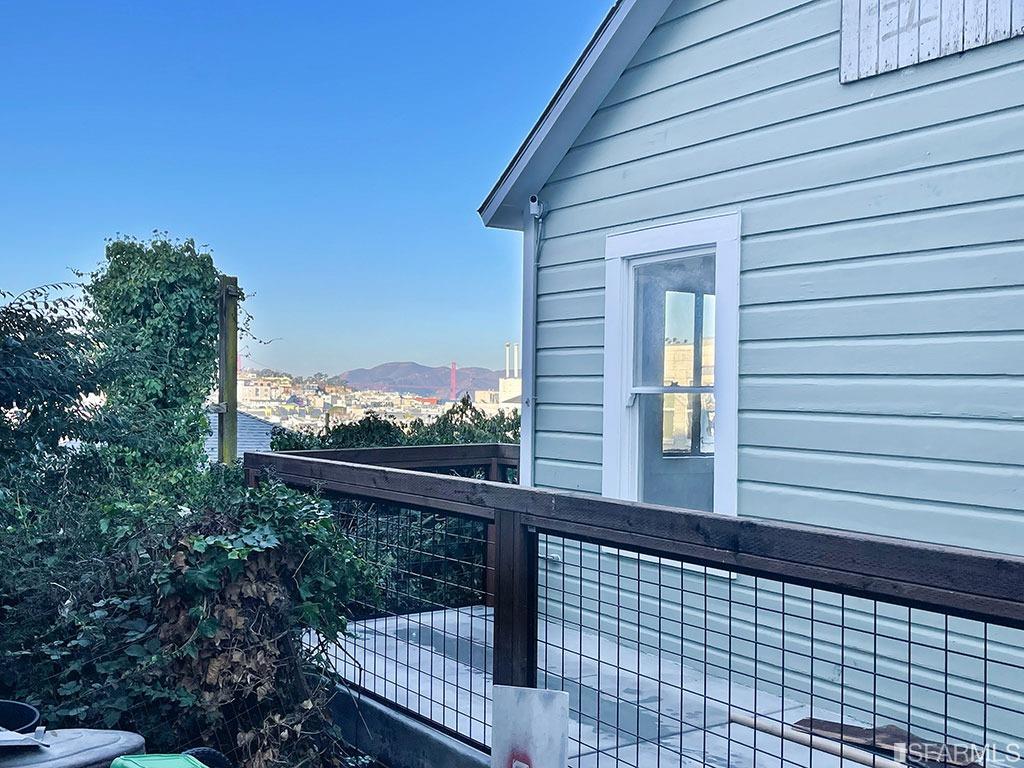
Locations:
(923, 30)
(952, 26)
(999, 26)
(975, 23)
(867, 60)
(888, 38)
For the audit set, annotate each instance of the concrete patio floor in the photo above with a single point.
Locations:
(628, 707)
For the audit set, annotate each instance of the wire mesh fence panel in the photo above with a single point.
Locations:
(421, 635)
(672, 664)
(844, 650)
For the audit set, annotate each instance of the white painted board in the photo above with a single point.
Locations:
(531, 728)
(883, 35)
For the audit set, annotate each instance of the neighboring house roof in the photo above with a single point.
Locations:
(613, 46)
(253, 434)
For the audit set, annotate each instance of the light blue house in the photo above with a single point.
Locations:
(774, 264)
(774, 267)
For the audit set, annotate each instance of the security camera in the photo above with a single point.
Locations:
(536, 207)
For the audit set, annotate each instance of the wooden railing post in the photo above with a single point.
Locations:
(515, 602)
(494, 474)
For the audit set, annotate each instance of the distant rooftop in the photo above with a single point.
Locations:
(253, 434)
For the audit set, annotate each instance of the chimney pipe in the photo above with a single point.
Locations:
(515, 358)
(508, 359)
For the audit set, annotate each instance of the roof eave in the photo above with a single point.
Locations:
(609, 52)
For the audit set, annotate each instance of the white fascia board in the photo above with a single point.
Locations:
(588, 84)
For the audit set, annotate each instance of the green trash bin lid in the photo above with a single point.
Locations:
(156, 761)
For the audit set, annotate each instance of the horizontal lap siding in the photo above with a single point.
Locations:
(882, 333)
(882, 286)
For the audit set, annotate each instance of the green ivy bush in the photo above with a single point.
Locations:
(198, 635)
(141, 589)
(157, 301)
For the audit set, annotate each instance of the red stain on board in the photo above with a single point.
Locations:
(519, 759)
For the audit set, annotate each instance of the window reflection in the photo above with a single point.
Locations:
(687, 424)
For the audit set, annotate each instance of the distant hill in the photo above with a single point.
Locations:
(417, 379)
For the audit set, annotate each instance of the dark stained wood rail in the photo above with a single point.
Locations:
(955, 581)
(424, 457)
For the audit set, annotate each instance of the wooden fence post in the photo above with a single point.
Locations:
(227, 321)
(515, 602)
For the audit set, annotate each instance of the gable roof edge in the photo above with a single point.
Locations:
(606, 56)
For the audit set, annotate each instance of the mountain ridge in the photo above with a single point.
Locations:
(418, 379)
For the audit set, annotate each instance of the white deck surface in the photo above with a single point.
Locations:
(628, 707)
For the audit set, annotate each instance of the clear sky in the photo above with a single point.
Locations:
(332, 154)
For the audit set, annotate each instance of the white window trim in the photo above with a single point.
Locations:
(622, 251)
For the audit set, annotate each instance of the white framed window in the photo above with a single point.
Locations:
(671, 364)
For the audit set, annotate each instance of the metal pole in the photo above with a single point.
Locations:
(227, 320)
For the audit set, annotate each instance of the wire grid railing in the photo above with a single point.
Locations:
(772, 645)
(421, 635)
(668, 664)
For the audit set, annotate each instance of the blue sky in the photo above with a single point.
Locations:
(332, 154)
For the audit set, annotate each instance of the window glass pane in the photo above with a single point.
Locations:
(686, 422)
(707, 358)
(676, 442)
(680, 329)
(707, 423)
(671, 310)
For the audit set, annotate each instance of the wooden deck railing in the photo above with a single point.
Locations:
(948, 581)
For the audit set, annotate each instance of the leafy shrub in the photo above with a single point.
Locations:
(140, 589)
(462, 423)
(197, 637)
(157, 300)
(372, 431)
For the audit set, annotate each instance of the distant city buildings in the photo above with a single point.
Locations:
(297, 402)
(509, 394)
